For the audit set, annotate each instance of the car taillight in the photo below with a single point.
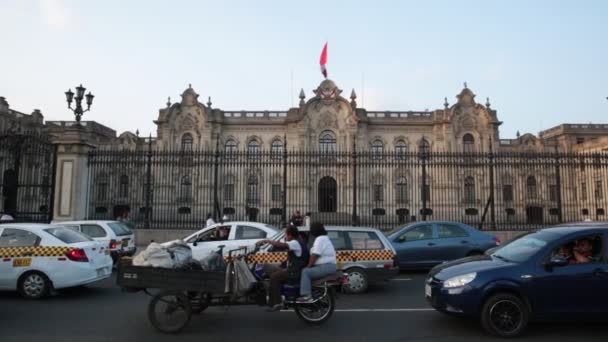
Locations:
(112, 244)
(77, 255)
(497, 240)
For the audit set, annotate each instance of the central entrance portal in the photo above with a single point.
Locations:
(328, 199)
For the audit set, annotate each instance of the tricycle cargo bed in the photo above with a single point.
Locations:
(140, 277)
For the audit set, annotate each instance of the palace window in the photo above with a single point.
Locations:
(187, 142)
(599, 192)
(424, 147)
(531, 188)
(469, 190)
(185, 189)
(253, 149)
(102, 189)
(401, 190)
(252, 190)
(230, 149)
(276, 149)
(584, 191)
(276, 192)
(468, 143)
(377, 149)
(123, 190)
(327, 142)
(400, 149)
(378, 193)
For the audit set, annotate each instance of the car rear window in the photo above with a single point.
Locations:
(120, 229)
(365, 240)
(67, 235)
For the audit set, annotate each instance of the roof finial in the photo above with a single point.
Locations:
(137, 132)
(168, 101)
(209, 102)
(488, 102)
(465, 84)
(445, 102)
(189, 85)
(517, 134)
(353, 97)
(302, 97)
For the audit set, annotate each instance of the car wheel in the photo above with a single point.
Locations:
(357, 281)
(504, 315)
(34, 285)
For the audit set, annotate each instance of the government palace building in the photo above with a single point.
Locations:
(342, 163)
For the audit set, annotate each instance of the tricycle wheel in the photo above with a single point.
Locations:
(318, 312)
(169, 311)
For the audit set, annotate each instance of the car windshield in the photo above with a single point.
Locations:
(67, 235)
(524, 248)
(120, 228)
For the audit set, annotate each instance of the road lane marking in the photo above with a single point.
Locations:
(376, 310)
(401, 279)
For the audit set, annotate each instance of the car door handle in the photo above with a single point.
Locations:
(430, 244)
(464, 241)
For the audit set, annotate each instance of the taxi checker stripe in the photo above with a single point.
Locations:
(341, 256)
(40, 251)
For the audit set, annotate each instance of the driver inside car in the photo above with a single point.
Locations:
(582, 252)
(297, 258)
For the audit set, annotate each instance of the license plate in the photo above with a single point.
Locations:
(22, 262)
(427, 290)
(125, 242)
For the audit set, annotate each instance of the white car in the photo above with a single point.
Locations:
(38, 258)
(113, 234)
(232, 235)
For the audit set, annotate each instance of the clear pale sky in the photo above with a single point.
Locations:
(542, 63)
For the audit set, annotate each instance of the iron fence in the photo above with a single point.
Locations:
(176, 189)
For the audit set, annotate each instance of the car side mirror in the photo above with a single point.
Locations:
(195, 244)
(557, 261)
(402, 238)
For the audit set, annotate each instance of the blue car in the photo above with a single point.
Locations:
(554, 273)
(422, 245)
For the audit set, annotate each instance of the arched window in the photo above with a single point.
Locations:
(377, 149)
(230, 149)
(253, 149)
(185, 189)
(276, 149)
(252, 190)
(327, 142)
(228, 188)
(469, 190)
(187, 142)
(507, 188)
(400, 149)
(468, 143)
(123, 189)
(531, 187)
(424, 147)
(401, 190)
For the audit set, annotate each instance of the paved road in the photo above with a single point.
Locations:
(101, 312)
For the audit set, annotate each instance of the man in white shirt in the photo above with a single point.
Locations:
(210, 221)
(297, 258)
(322, 261)
(6, 217)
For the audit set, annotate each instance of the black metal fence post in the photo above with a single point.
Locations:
(148, 199)
(558, 186)
(216, 205)
(492, 203)
(354, 156)
(423, 155)
(284, 199)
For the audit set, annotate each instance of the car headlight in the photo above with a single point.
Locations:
(459, 281)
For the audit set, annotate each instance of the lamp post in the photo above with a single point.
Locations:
(78, 110)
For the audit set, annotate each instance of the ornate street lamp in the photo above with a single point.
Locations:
(78, 111)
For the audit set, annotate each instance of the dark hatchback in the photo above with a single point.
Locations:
(534, 277)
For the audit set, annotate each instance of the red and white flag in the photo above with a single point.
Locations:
(323, 61)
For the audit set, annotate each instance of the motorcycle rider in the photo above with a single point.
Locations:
(297, 259)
